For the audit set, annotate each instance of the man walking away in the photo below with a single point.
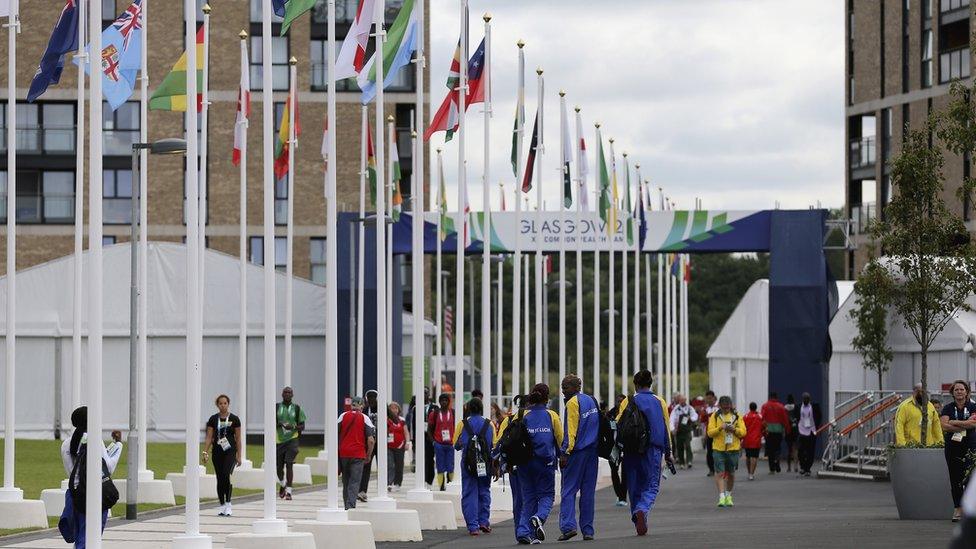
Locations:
(777, 425)
(643, 469)
(291, 423)
(579, 460)
(372, 412)
(505, 467)
(357, 438)
(753, 441)
(427, 408)
(807, 425)
(616, 469)
(711, 406)
(683, 418)
(727, 430)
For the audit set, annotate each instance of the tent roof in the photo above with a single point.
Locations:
(430, 329)
(45, 308)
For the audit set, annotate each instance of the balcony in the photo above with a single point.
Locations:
(863, 153)
(861, 217)
(34, 140)
(953, 65)
(947, 6)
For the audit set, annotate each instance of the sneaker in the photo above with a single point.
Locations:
(640, 523)
(361, 497)
(710, 474)
(222, 510)
(621, 503)
(537, 541)
(281, 492)
(473, 533)
(540, 534)
(587, 537)
(228, 511)
(523, 541)
(721, 501)
(728, 500)
(485, 528)
(751, 477)
(566, 536)
(287, 496)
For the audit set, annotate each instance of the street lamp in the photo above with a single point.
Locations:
(163, 146)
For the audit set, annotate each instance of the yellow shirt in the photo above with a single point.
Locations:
(716, 431)
(908, 424)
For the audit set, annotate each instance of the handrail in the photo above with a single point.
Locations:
(882, 406)
(876, 429)
(843, 415)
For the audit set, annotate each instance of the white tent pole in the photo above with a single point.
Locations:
(361, 243)
(9, 425)
(486, 230)
(500, 344)
(648, 320)
(517, 358)
(661, 380)
(673, 327)
(684, 326)
(80, 213)
(290, 222)
(242, 266)
(143, 282)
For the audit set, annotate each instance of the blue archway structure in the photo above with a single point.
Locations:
(802, 294)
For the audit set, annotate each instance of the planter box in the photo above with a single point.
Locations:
(920, 481)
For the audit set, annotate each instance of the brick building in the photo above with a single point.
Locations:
(901, 57)
(46, 134)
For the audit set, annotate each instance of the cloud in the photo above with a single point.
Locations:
(737, 103)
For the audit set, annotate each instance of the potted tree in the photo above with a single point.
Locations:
(870, 315)
(931, 263)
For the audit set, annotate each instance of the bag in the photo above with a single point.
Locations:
(515, 445)
(632, 435)
(605, 442)
(77, 483)
(66, 524)
(477, 453)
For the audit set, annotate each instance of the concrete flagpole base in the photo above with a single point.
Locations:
(331, 515)
(248, 479)
(208, 483)
(434, 514)
(501, 497)
(302, 474)
(344, 534)
(145, 475)
(319, 464)
(196, 541)
(603, 469)
(17, 512)
(262, 540)
(150, 491)
(390, 524)
(53, 499)
(454, 498)
(245, 464)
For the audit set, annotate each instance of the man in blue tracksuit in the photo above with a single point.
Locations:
(579, 460)
(643, 471)
(510, 469)
(537, 478)
(475, 485)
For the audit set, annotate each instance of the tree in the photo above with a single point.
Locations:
(870, 315)
(931, 258)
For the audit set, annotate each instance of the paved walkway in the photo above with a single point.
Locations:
(772, 511)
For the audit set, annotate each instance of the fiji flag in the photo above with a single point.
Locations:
(64, 39)
(121, 55)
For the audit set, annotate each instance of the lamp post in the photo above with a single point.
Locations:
(163, 146)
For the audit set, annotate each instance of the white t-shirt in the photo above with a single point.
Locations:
(111, 454)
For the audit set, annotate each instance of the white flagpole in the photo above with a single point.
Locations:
(673, 326)
(382, 339)
(202, 177)
(142, 256)
(390, 184)
(624, 317)
(564, 218)
(486, 231)
(9, 492)
(242, 267)
(662, 382)
(612, 316)
(635, 222)
(684, 325)
(648, 326)
(517, 262)
(499, 322)
(579, 251)
(668, 357)
(290, 222)
(527, 295)
(420, 491)
(597, 303)
(438, 280)
(459, 319)
(540, 369)
(361, 271)
(76, 351)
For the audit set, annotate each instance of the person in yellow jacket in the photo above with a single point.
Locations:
(908, 420)
(726, 429)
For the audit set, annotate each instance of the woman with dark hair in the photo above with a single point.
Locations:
(616, 472)
(397, 446)
(958, 420)
(223, 445)
(473, 437)
(537, 478)
(72, 522)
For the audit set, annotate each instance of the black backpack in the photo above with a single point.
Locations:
(632, 431)
(477, 451)
(515, 445)
(605, 442)
(77, 483)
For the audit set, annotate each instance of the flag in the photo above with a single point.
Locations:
(121, 57)
(583, 170)
(614, 195)
(687, 269)
(352, 56)
(279, 7)
(64, 38)
(627, 202)
(605, 213)
(243, 106)
(641, 217)
(171, 93)
(282, 144)
(454, 74)
(501, 194)
(293, 10)
(519, 125)
(530, 161)
(396, 204)
(5, 9)
(567, 156)
(447, 116)
(401, 42)
(325, 144)
(371, 166)
(675, 260)
(446, 223)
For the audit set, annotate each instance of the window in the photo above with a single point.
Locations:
(257, 12)
(279, 63)
(316, 255)
(42, 197)
(280, 249)
(59, 197)
(927, 59)
(108, 12)
(59, 127)
(108, 240)
(121, 128)
(320, 67)
(117, 196)
(954, 65)
(42, 128)
(951, 5)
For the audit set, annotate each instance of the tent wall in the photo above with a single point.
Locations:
(745, 380)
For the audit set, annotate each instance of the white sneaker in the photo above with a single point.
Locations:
(222, 510)
(227, 510)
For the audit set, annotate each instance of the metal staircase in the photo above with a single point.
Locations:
(858, 437)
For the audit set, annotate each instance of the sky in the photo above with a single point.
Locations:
(738, 103)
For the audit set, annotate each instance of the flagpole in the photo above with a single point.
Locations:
(662, 382)
(684, 323)
(539, 288)
(526, 319)
(648, 326)
(597, 312)
(242, 266)
(290, 222)
(461, 234)
(579, 251)
(142, 256)
(517, 262)
(361, 244)
(668, 338)
(438, 367)
(499, 322)
(673, 327)
(486, 230)
(420, 491)
(564, 171)
(635, 223)
(391, 182)
(624, 317)
(76, 350)
(202, 177)
(612, 316)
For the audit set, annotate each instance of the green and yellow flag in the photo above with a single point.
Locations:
(606, 206)
(171, 93)
(293, 10)
(371, 167)
(396, 204)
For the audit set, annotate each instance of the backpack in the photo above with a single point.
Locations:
(515, 445)
(477, 452)
(77, 483)
(632, 430)
(605, 442)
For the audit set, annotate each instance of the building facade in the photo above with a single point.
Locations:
(46, 135)
(902, 56)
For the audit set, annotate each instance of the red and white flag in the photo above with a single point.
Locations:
(352, 57)
(583, 171)
(243, 105)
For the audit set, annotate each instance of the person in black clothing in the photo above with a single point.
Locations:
(372, 412)
(223, 447)
(791, 446)
(958, 420)
(616, 471)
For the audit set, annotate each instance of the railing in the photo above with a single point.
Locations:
(35, 140)
(863, 152)
(952, 5)
(954, 65)
(862, 216)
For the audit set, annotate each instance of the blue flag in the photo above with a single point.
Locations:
(64, 39)
(121, 55)
(279, 7)
(642, 219)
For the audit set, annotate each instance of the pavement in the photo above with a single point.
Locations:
(773, 511)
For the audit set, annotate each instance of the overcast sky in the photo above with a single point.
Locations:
(737, 102)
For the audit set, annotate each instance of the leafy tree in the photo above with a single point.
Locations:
(870, 315)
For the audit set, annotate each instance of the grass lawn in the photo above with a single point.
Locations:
(39, 467)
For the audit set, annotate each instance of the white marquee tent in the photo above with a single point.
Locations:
(738, 360)
(44, 350)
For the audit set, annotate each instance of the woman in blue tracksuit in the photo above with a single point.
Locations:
(504, 467)
(475, 485)
(537, 478)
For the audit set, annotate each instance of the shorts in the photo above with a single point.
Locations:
(725, 462)
(752, 453)
(288, 451)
